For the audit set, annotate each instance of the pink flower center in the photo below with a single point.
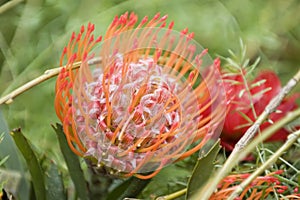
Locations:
(123, 119)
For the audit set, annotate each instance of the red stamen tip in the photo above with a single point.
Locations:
(185, 31)
(217, 63)
(99, 39)
(123, 19)
(132, 15)
(91, 27)
(73, 36)
(164, 18)
(163, 25)
(73, 57)
(156, 16)
(132, 21)
(78, 37)
(115, 21)
(171, 25)
(64, 51)
(63, 70)
(82, 29)
(191, 35)
(144, 20)
(91, 39)
(126, 15)
(205, 51)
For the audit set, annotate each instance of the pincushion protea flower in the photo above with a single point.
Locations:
(137, 101)
(260, 188)
(244, 107)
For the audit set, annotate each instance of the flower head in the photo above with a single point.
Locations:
(260, 188)
(244, 106)
(137, 101)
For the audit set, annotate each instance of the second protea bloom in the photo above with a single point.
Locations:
(262, 187)
(138, 100)
(245, 106)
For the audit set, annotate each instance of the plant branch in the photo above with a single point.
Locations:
(9, 5)
(173, 195)
(235, 157)
(291, 139)
(45, 76)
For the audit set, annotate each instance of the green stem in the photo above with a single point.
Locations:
(173, 195)
(45, 76)
(10, 4)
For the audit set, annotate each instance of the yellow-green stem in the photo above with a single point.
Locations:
(10, 4)
(45, 76)
(173, 195)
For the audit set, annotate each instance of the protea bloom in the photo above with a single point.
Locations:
(246, 104)
(136, 103)
(260, 188)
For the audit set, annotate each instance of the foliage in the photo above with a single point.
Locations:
(32, 36)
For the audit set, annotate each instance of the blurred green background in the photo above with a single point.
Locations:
(34, 32)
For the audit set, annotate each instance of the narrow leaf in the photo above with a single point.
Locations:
(257, 83)
(54, 183)
(119, 189)
(245, 117)
(2, 161)
(135, 187)
(233, 63)
(202, 171)
(262, 92)
(34, 167)
(73, 164)
(253, 66)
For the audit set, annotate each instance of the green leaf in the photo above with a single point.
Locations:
(119, 189)
(37, 175)
(73, 164)
(170, 179)
(8, 148)
(202, 171)
(54, 183)
(134, 188)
